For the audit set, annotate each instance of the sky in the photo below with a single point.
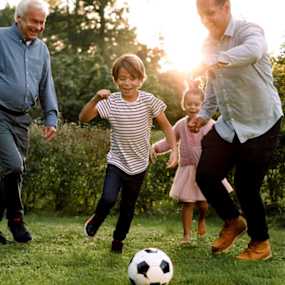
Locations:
(183, 32)
(175, 26)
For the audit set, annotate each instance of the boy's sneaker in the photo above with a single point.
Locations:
(117, 246)
(2, 239)
(19, 231)
(90, 227)
(230, 232)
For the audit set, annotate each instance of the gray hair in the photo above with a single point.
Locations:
(24, 5)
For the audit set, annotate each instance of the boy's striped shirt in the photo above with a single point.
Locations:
(131, 124)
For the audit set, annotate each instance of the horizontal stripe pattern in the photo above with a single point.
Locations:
(131, 124)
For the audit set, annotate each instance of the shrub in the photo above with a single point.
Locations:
(274, 183)
(67, 174)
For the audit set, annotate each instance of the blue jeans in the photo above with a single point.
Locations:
(250, 160)
(117, 181)
(13, 148)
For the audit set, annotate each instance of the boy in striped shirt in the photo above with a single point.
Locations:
(130, 113)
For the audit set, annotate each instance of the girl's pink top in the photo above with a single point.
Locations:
(189, 143)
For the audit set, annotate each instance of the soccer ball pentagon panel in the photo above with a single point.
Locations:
(150, 266)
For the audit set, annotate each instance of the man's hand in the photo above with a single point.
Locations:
(49, 133)
(206, 69)
(196, 124)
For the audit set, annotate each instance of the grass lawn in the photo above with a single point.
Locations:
(60, 254)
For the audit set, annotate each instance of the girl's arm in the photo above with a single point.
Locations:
(162, 146)
(166, 127)
(89, 111)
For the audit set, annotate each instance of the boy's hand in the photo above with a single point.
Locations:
(173, 159)
(101, 94)
(153, 155)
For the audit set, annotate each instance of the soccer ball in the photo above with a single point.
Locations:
(150, 266)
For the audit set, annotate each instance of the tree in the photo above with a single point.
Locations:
(84, 39)
(279, 73)
(7, 16)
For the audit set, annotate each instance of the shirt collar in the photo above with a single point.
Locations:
(229, 32)
(18, 35)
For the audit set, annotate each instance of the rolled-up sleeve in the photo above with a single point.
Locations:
(47, 95)
(209, 106)
(251, 48)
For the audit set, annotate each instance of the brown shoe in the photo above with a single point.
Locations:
(230, 232)
(256, 250)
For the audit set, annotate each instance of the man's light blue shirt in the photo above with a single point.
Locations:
(243, 91)
(25, 75)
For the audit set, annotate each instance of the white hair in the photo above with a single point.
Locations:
(24, 5)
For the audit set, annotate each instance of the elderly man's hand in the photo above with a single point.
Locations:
(49, 133)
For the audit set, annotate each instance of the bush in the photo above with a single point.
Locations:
(274, 183)
(67, 174)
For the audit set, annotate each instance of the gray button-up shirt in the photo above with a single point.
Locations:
(25, 75)
(243, 91)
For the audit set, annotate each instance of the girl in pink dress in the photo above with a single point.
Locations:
(184, 188)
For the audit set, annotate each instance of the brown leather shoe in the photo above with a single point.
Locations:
(230, 232)
(256, 250)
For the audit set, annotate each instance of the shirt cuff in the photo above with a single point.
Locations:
(205, 115)
(224, 58)
(51, 119)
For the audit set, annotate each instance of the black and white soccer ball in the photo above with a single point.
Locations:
(150, 266)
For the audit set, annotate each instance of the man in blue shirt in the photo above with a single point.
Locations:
(240, 86)
(25, 77)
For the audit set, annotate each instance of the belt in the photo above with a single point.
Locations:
(11, 112)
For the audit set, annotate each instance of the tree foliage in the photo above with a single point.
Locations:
(84, 38)
(279, 73)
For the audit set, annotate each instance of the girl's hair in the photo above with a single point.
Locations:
(132, 63)
(194, 88)
(24, 5)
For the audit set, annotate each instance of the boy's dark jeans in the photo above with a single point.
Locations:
(115, 181)
(251, 161)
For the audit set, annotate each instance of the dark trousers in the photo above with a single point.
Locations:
(250, 161)
(117, 181)
(13, 149)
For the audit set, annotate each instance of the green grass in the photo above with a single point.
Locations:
(60, 254)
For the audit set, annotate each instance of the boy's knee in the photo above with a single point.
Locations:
(108, 201)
